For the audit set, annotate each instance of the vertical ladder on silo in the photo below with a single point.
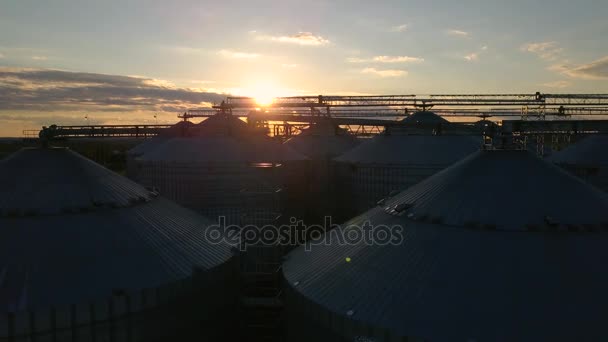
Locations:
(261, 308)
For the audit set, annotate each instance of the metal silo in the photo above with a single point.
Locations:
(86, 254)
(180, 129)
(501, 246)
(321, 142)
(398, 159)
(227, 169)
(424, 117)
(587, 159)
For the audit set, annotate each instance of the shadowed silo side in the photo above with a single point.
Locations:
(180, 129)
(227, 169)
(501, 246)
(321, 142)
(587, 159)
(398, 159)
(86, 254)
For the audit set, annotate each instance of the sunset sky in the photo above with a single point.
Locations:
(122, 61)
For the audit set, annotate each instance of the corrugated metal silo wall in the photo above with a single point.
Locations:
(132, 167)
(198, 308)
(244, 195)
(296, 182)
(241, 193)
(361, 186)
(312, 191)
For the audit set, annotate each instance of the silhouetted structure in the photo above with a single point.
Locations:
(501, 246)
(86, 254)
(588, 159)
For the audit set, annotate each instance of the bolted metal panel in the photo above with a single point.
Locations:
(222, 173)
(370, 171)
(321, 142)
(87, 234)
(534, 255)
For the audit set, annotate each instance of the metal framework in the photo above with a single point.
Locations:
(364, 115)
(424, 101)
(101, 131)
(298, 114)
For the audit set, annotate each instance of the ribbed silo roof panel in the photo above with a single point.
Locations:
(446, 282)
(224, 125)
(592, 150)
(482, 191)
(424, 117)
(221, 149)
(65, 257)
(323, 140)
(412, 150)
(146, 146)
(57, 180)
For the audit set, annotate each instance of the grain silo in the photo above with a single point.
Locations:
(86, 254)
(227, 169)
(501, 246)
(180, 129)
(587, 159)
(398, 159)
(321, 142)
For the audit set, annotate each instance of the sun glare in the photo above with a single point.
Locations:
(264, 100)
(264, 93)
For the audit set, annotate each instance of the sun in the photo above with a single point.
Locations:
(264, 100)
(264, 93)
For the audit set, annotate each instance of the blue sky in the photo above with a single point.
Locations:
(292, 47)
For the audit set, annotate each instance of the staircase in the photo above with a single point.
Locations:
(261, 309)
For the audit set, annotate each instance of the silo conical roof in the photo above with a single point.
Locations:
(500, 246)
(224, 124)
(56, 180)
(587, 152)
(323, 139)
(73, 231)
(222, 149)
(180, 129)
(146, 146)
(424, 117)
(412, 150)
(221, 138)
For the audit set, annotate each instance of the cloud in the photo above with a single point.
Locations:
(300, 38)
(386, 59)
(202, 81)
(458, 33)
(399, 28)
(237, 54)
(357, 60)
(545, 50)
(57, 90)
(596, 70)
(397, 59)
(289, 66)
(40, 58)
(472, 57)
(557, 84)
(551, 52)
(476, 55)
(384, 73)
(1, 55)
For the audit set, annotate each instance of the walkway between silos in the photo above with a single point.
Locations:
(261, 308)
